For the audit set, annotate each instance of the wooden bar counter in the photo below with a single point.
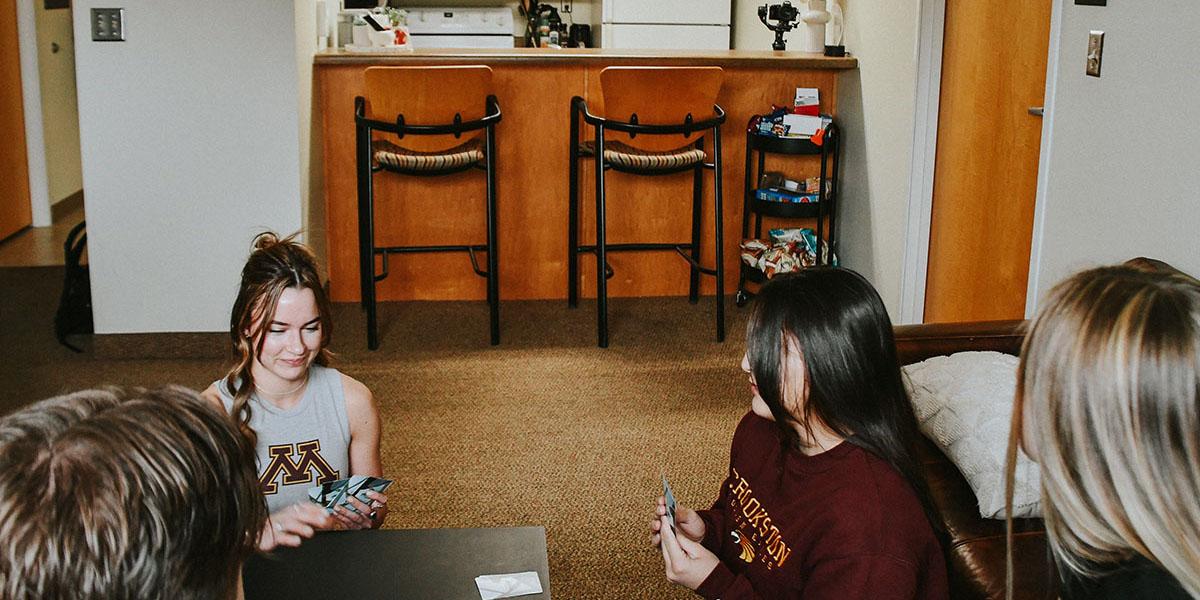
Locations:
(534, 87)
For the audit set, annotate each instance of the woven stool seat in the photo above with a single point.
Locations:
(624, 155)
(390, 155)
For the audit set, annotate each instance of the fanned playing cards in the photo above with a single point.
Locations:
(338, 493)
(670, 497)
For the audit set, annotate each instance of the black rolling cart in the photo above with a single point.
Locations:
(823, 210)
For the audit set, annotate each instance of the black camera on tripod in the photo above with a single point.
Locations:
(783, 12)
(785, 16)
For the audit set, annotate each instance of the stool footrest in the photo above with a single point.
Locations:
(469, 249)
(475, 262)
(417, 249)
(634, 247)
(692, 261)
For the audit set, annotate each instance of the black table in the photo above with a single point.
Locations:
(424, 564)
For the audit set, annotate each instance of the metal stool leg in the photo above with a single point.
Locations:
(573, 215)
(363, 164)
(601, 281)
(369, 289)
(697, 200)
(720, 239)
(493, 278)
(366, 235)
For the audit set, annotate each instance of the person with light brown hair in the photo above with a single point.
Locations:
(125, 494)
(309, 423)
(1107, 405)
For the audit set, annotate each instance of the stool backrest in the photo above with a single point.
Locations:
(429, 96)
(659, 96)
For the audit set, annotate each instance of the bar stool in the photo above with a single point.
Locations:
(436, 133)
(670, 112)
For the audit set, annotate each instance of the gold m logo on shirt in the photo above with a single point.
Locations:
(299, 471)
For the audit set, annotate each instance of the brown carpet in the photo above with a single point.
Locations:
(546, 429)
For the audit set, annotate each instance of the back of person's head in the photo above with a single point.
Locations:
(273, 266)
(125, 494)
(1109, 386)
(836, 320)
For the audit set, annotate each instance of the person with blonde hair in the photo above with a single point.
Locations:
(1108, 405)
(309, 423)
(125, 494)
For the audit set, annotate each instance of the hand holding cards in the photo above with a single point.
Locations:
(338, 493)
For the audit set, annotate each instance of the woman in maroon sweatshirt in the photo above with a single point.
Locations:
(824, 497)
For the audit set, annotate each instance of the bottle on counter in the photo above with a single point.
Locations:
(543, 32)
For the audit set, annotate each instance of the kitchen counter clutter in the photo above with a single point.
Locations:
(721, 58)
(534, 87)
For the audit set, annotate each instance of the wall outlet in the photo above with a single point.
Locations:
(108, 24)
(566, 7)
(1095, 52)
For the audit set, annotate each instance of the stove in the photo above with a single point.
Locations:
(461, 27)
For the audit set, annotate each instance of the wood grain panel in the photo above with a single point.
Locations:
(532, 161)
(15, 211)
(985, 177)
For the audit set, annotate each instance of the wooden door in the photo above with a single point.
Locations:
(15, 211)
(985, 175)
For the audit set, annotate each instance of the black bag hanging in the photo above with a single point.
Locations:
(74, 314)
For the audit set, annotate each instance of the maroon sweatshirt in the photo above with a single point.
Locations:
(841, 524)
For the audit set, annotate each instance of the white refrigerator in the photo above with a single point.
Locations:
(665, 24)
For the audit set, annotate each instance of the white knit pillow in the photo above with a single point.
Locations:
(964, 402)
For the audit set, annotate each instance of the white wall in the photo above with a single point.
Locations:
(876, 106)
(312, 181)
(190, 146)
(1122, 170)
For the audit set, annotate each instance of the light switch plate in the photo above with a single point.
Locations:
(1095, 52)
(108, 24)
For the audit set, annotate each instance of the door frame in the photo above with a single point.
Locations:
(1032, 292)
(930, 37)
(31, 92)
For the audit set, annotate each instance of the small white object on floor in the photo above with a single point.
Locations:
(508, 585)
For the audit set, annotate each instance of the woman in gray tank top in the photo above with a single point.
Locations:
(310, 424)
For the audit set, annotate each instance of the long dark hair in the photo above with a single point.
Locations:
(273, 266)
(836, 319)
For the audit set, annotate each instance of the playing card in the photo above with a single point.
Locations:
(670, 502)
(330, 493)
(337, 493)
(359, 485)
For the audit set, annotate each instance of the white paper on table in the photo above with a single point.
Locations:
(508, 585)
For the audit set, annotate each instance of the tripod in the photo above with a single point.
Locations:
(785, 16)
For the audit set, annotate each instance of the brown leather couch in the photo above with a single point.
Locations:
(976, 548)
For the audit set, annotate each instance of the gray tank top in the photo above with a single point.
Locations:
(303, 446)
